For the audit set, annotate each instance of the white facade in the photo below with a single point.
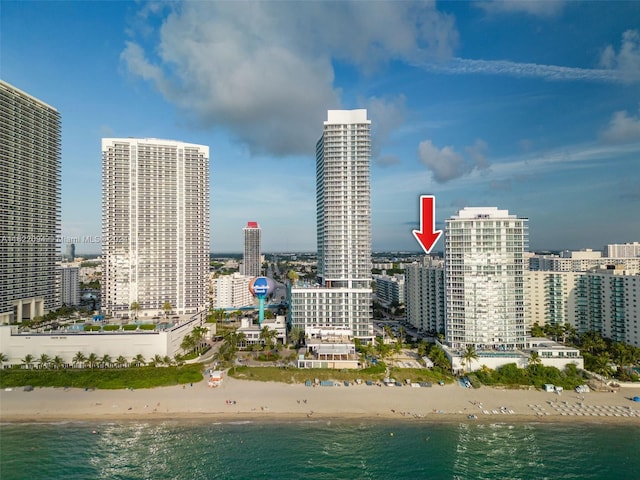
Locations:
(70, 285)
(579, 262)
(317, 307)
(390, 289)
(29, 205)
(66, 344)
(252, 331)
(343, 216)
(484, 278)
(231, 291)
(155, 225)
(624, 250)
(606, 301)
(425, 294)
(252, 259)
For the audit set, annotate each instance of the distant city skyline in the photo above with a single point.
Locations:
(529, 106)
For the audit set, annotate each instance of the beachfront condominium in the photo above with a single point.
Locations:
(155, 226)
(484, 279)
(29, 205)
(342, 296)
(252, 259)
(425, 294)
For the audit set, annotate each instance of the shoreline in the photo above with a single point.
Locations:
(252, 401)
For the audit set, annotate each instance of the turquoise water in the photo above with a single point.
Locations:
(317, 450)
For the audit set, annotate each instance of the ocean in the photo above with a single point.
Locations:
(337, 449)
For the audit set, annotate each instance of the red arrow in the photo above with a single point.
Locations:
(427, 238)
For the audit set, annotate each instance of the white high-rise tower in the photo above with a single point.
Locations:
(155, 225)
(343, 215)
(484, 278)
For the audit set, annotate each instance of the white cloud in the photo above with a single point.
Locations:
(622, 128)
(462, 66)
(537, 8)
(627, 60)
(477, 153)
(447, 164)
(263, 70)
(386, 115)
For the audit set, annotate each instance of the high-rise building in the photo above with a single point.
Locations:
(70, 286)
(343, 214)
(29, 205)
(484, 278)
(155, 226)
(425, 294)
(252, 260)
(70, 252)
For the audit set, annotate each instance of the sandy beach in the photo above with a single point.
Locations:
(241, 399)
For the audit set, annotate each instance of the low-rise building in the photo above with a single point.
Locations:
(329, 348)
(230, 291)
(252, 332)
(67, 342)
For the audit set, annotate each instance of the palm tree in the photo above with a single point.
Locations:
(188, 343)
(218, 314)
(534, 361)
(156, 360)
(601, 366)
(167, 360)
(267, 336)
(28, 361)
(296, 334)
(135, 307)
(3, 358)
(534, 358)
(402, 334)
(138, 360)
(167, 307)
(397, 347)
(198, 334)
(469, 356)
(121, 361)
(106, 361)
(79, 358)
(57, 362)
(422, 348)
(178, 359)
(92, 360)
(44, 360)
(387, 331)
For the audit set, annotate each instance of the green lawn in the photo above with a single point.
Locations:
(110, 378)
(295, 375)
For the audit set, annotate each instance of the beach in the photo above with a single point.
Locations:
(243, 399)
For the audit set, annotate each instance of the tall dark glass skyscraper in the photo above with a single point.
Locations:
(29, 205)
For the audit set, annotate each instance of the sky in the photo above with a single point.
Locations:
(533, 107)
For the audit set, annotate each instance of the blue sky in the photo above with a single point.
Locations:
(532, 107)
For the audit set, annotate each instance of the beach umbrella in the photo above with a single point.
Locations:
(636, 399)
